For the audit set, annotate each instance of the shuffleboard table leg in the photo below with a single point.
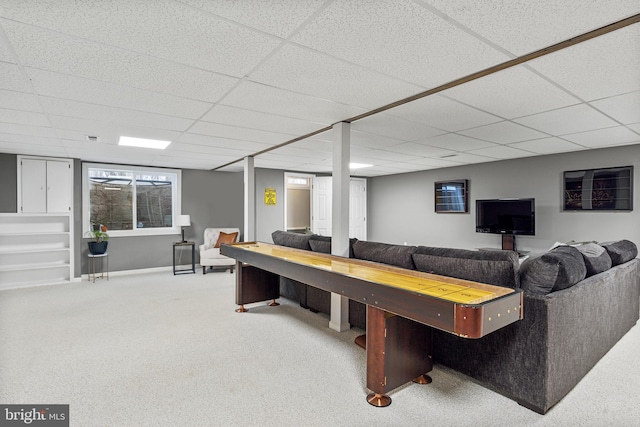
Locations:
(273, 303)
(378, 400)
(241, 309)
(423, 379)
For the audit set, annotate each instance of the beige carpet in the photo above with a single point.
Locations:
(163, 350)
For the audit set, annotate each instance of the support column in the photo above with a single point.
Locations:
(249, 200)
(340, 217)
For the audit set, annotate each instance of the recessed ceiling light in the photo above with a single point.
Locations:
(358, 165)
(144, 143)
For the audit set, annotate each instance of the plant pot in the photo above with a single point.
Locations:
(97, 248)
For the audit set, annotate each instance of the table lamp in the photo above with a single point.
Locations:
(183, 221)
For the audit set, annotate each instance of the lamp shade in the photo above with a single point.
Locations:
(183, 221)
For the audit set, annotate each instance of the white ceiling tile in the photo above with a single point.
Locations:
(33, 149)
(254, 96)
(232, 116)
(213, 141)
(624, 108)
(416, 45)
(94, 92)
(598, 68)
(385, 155)
(315, 144)
(471, 158)
(510, 93)
(102, 113)
(312, 73)
(503, 133)
(431, 163)
(419, 150)
(394, 127)
(21, 129)
(242, 133)
(635, 127)
(442, 113)
(23, 117)
(567, 120)
(12, 79)
(169, 30)
(273, 16)
(455, 142)
(604, 137)
(523, 26)
(51, 51)
(5, 53)
(502, 152)
(194, 150)
(28, 139)
(547, 146)
(370, 140)
(19, 101)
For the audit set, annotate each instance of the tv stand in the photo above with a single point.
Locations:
(509, 242)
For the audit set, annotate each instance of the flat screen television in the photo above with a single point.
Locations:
(506, 216)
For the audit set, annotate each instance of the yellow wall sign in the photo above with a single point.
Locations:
(269, 196)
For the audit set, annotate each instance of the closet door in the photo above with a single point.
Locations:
(34, 185)
(58, 184)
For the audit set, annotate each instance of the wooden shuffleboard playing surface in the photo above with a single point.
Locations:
(400, 302)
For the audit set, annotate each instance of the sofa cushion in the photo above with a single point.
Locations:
(322, 244)
(596, 258)
(291, 240)
(398, 255)
(621, 251)
(498, 268)
(226, 238)
(560, 268)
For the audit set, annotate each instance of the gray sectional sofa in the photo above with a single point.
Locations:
(578, 302)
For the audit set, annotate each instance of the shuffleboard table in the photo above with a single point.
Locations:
(399, 302)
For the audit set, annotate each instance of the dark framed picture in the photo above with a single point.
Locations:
(606, 189)
(452, 196)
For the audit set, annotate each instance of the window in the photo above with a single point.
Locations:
(131, 200)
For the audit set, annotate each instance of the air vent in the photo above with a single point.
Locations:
(92, 138)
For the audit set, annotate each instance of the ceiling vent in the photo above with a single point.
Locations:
(92, 138)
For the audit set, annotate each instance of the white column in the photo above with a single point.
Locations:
(340, 217)
(249, 200)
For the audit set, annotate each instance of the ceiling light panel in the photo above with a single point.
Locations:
(418, 46)
(128, 141)
(523, 26)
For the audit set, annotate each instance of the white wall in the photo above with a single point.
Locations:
(401, 207)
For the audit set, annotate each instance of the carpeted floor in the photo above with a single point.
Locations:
(163, 350)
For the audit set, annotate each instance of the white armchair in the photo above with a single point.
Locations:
(210, 255)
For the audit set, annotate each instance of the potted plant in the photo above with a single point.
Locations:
(100, 240)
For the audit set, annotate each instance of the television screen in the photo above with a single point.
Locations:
(506, 216)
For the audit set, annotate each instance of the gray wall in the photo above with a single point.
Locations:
(401, 207)
(212, 199)
(8, 183)
(269, 218)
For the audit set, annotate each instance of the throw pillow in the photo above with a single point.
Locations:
(226, 238)
(621, 251)
(291, 240)
(398, 255)
(596, 258)
(558, 269)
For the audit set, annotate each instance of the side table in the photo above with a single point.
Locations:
(104, 260)
(181, 245)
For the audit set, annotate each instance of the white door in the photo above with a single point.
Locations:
(321, 193)
(358, 208)
(33, 177)
(58, 184)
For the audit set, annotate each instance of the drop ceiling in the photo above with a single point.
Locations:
(229, 79)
